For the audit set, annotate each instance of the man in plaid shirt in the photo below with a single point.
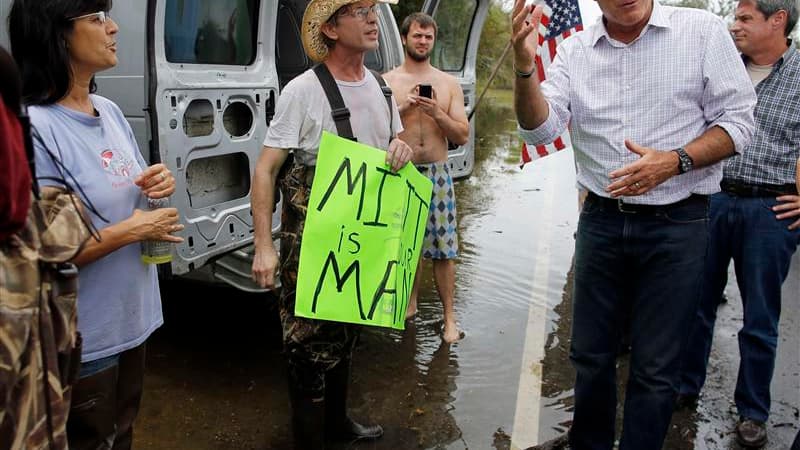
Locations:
(755, 219)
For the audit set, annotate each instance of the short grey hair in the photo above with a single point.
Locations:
(770, 7)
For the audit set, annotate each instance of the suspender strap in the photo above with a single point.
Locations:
(387, 92)
(340, 113)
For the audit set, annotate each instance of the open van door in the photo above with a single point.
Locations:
(211, 91)
(460, 23)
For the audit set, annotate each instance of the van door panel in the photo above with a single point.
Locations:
(212, 84)
(460, 23)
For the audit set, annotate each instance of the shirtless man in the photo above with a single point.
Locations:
(429, 124)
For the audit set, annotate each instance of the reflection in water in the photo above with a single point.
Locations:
(558, 375)
(405, 380)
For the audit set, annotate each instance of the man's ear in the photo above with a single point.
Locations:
(779, 19)
(329, 30)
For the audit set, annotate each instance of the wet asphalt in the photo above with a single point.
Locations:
(216, 378)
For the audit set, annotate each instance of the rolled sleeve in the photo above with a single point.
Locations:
(545, 133)
(728, 98)
(556, 91)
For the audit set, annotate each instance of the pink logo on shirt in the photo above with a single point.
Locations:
(116, 163)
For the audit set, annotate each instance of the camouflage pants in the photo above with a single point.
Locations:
(313, 347)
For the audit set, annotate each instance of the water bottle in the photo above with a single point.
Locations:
(156, 252)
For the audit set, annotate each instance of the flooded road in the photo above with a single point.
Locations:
(216, 378)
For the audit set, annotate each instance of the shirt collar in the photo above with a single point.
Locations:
(658, 18)
(787, 56)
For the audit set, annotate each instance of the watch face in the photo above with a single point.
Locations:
(685, 161)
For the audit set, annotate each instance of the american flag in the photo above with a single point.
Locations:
(560, 19)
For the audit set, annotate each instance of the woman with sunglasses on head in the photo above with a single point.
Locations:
(83, 141)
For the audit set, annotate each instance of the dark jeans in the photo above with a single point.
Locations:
(647, 265)
(743, 229)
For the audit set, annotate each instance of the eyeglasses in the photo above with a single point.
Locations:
(101, 16)
(360, 13)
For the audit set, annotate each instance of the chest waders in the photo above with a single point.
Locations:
(319, 352)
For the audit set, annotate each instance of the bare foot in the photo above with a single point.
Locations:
(451, 333)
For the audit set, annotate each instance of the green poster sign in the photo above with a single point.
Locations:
(362, 237)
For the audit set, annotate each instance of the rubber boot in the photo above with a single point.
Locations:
(308, 419)
(129, 395)
(339, 426)
(90, 425)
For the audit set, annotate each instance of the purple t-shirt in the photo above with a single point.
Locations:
(119, 304)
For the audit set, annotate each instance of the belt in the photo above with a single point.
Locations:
(616, 204)
(742, 189)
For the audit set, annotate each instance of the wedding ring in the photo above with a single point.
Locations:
(637, 185)
(163, 176)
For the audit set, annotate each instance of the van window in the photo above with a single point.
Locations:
(211, 31)
(373, 60)
(454, 18)
(290, 58)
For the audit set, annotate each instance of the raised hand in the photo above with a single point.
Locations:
(525, 21)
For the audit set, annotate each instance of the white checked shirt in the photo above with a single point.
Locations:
(679, 78)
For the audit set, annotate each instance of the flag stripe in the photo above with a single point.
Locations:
(560, 19)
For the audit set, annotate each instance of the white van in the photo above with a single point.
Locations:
(198, 81)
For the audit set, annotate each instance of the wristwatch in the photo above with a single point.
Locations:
(685, 162)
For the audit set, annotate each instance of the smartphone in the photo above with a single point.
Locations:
(425, 90)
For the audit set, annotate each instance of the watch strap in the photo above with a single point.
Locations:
(685, 162)
(521, 74)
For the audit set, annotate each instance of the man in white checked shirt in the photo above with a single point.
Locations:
(655, 97)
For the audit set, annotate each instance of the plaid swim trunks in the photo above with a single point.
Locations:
(441, 238)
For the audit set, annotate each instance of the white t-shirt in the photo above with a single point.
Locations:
(758, 73)
(303, 112)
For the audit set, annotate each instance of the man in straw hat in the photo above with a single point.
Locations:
(337, 34)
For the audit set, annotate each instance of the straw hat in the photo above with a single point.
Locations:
(317, 13)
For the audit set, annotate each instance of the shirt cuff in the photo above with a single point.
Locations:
(544, 134)
(740, 141)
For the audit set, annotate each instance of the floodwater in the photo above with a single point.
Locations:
(216, 378)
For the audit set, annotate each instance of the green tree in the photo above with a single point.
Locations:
(722, 8)
(404, 8)
(496, 35)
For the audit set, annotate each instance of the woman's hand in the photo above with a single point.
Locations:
(156, 225)
(156, 181)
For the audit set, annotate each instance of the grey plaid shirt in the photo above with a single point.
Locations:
(771, 157)
(679, 78)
